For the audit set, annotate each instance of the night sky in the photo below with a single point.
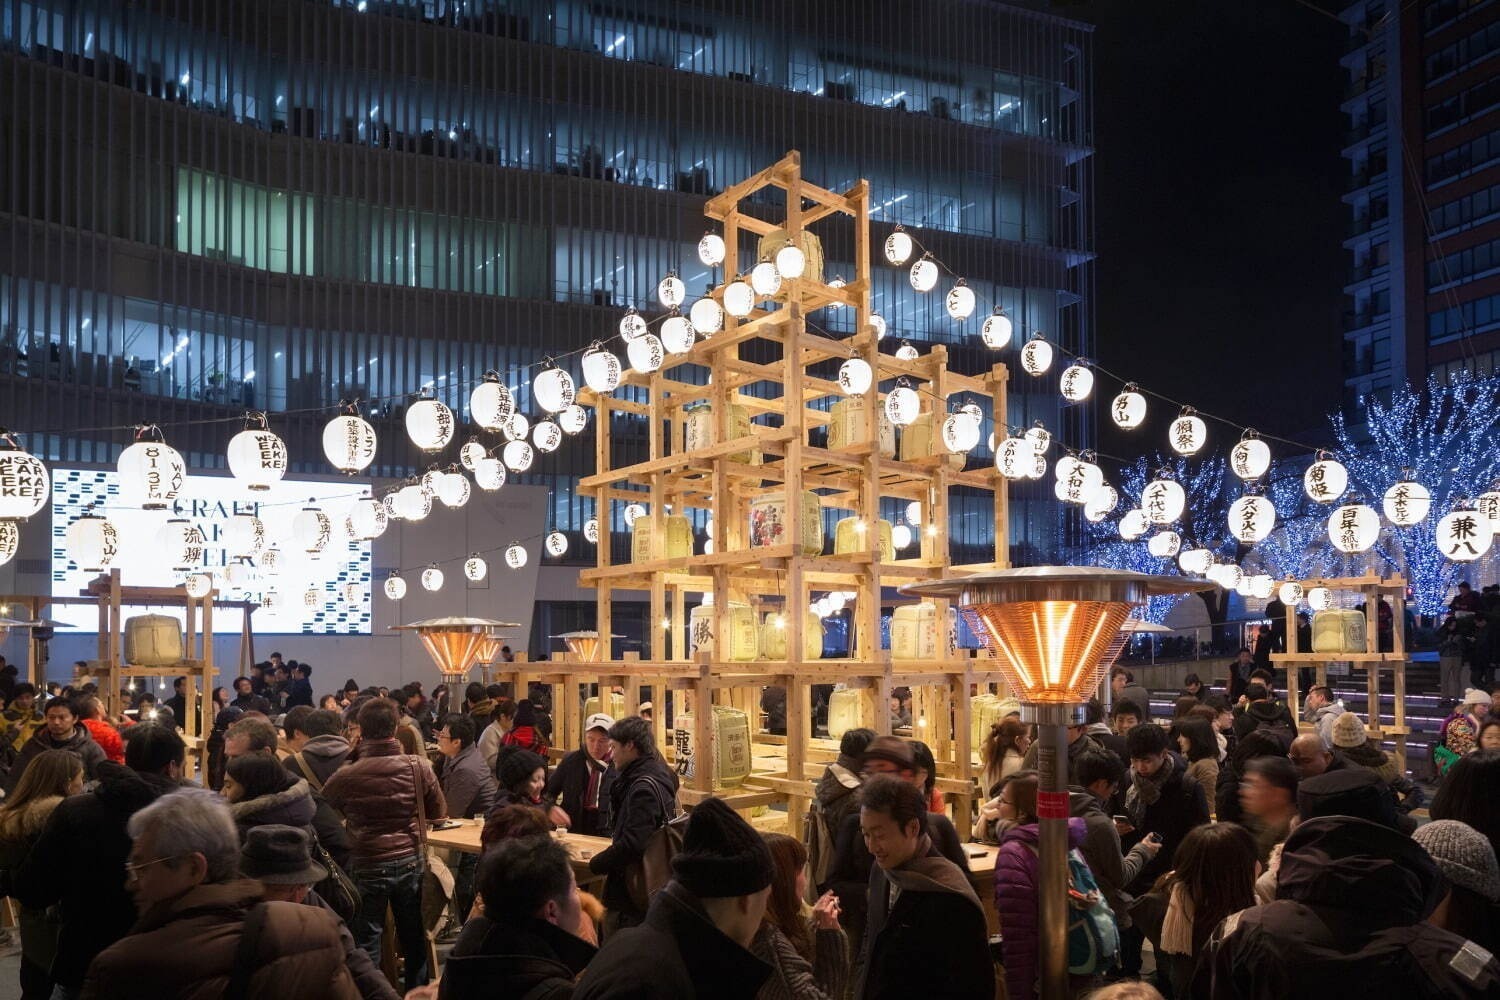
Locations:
(1217, 179)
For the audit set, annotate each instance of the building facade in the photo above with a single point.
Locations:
(1423, 145)
(281, 204)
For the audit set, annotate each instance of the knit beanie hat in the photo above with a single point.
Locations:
(514, 765)
(1348, 730)
(891, 748)
(1474, 696)
(1464, 855)
(721, 855)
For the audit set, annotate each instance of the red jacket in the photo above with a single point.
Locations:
(108, 738)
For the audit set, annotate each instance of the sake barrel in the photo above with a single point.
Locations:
(674, 541)
(914, 632)
(153, 641)
(774, 631)
(850, 536)
(728, 755)
(744, 633)
(768, 522)
(847, 426)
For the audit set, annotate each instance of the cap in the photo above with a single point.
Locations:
(278, 855)
(721, 855)
(598, 721)
(1464, 855)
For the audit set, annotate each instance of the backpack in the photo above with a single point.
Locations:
(1093, 937)
(819, 841)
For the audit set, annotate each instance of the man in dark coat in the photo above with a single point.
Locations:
(61, 731)
(1263, 712)
(470, 789)
(95, 907)
(246, 700)
(1352, 900)
(528, 937)
(930, 940)
(696, 937)
(299, 689)
(643, 798)
(581, 783)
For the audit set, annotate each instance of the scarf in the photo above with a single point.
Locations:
(591, 793)
(1145, 791)
(1177, 927)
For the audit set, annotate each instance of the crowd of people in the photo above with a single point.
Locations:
(1256, 859)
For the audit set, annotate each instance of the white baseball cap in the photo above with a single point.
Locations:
(598, 721)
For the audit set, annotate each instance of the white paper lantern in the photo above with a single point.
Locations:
(1036, 357)
(10, 541)
(1353, 527)
(677, 335)
(1325, 480)
(1320, 598)
(475, 568)
(1128, 409)
(556, 543)
(1078, 481)
(708, 527)
(711, 249)
(961, 432)
(430, 480)
(1014, 458)
(453, 489)
(517, 456)
(515, 555)
(1076, 384)
(518, 428)
(1040, 438)
(591, 530)
(906, 352)
(708, 546)
(1290, 593)
(633, 512)
(1164, 544)
(739, 299)
(1231, 576)
(901, 536)
(1488, 505)
(670, 291)
(791, 262)
(914, 512)
(413, 503)
(1163, 501)
(553, 389)
(995, 331)
(470, 453)
(960, 301)
(491, 403)
(312, 598)
(92, 542)
(270, 561)
(646, 354)
(349, 443)
(572, 419)
(546, 436)
(877, 323)
(312, 530)
(1188, 434)
(707, 316)
(855, 377)
(352, 593)
(924, 275)
(257, 458)
(271, 599)
(1407, 503)
(241, 573)
(1133, 525)
(1251, 458)
(395, 587)
(429, 424)
(180, 542)
(244, 535)
(632, 325)
(765, 279)
(1262, 586)
(1101, 504)
(1245, 585)
(1464, 535)
(367, 519)
(601, 370)
(1251, 519)
(489, 474)
(198, 585)
(898, 247)
(432, 577)
(152, 477)
(1195, 562)
(902, 405)
(1038, 467)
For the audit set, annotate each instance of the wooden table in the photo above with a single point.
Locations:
(465, 838)
(981, 859)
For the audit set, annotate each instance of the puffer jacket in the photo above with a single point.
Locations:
(21, 725)
(298, 954)
(377, 793)
(1017, 901)
(296, 805)
(108, 738)
(80, 742)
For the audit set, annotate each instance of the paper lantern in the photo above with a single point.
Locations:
(453, 489)
(1163, 501)
(572, 419)
(518, 428)
(1036, 357)
(711, 249)
(429, 424)
(1101, 504)
(241, 573)
(877, 323)
(1164, 544)
(475, 568)
(632, 325)
(1407, 503)
(677, 335)
(707, 316)
(1325, 480)
(1245, 585)
(430, 480)
(257, 457)
(1040, 438)
(1188, 433)
(995, 331)
(1128, 409)
(312, 598)
(924, 275)
(24, 483)
(312, 530)
(601, 370)
(556, 543)
(1038, 467)
(901, 536)
(739, 299)
(902, 405)
(180, 542)
(1133, 525)
(646, 354)
(1231, 576)
(198, 585)
(633, 513)
(1251, 519)
(961, 432)
(1353, 527)
(152, 477)
(1077, 481)
(1076, 384)
(1488, 505)
(10, 541)
(491, 403)
(670, 291)
(898, 247)
(395, 587)
(855, 377)
(1290, 593)
(352, 593)
(489, 474)
(413, 502)
(791, 262)
(960, 301)
(271, 600)
(765, 279)
(92, 542)
(546, 436)
(349, 443)
(367, 520)
(591, 530)
(244, 535)
(432, 577)
(553, 389)
(1013, 458)
(517, 456)
(1320, 598)
(1261, 586)
(1464, 535)
(906, 352)
(1251, 458)
(515, 555)
(470, 453)
(1195, 562)
(270, 561)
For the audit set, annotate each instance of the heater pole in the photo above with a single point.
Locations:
(1052, 844)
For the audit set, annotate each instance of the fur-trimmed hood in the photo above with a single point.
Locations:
(25, 823)
(292, 806)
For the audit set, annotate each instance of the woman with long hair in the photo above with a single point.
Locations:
(523, 731)
(926, 770)
(1214, 876)
(804, 945)
(48, 779)
(1195, 739)
(221, 699)
(1004, 750)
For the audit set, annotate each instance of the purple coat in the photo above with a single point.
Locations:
(1017, 903)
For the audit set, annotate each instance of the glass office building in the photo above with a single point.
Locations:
(278, 205)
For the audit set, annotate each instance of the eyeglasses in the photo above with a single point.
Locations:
(133, 871)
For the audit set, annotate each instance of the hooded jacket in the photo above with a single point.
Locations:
(643, 797)
(80, 742)
(296, 805)
(568, 783)
(1267, 715)
(378, 796)
(96, 912)
(501, 958)
(677, 953)
(1352, 899)
(323, 755)
(1323, 718)
(1112, 869)
(1017, 902)
(835, 790)
(20, 725)
(936, 923)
